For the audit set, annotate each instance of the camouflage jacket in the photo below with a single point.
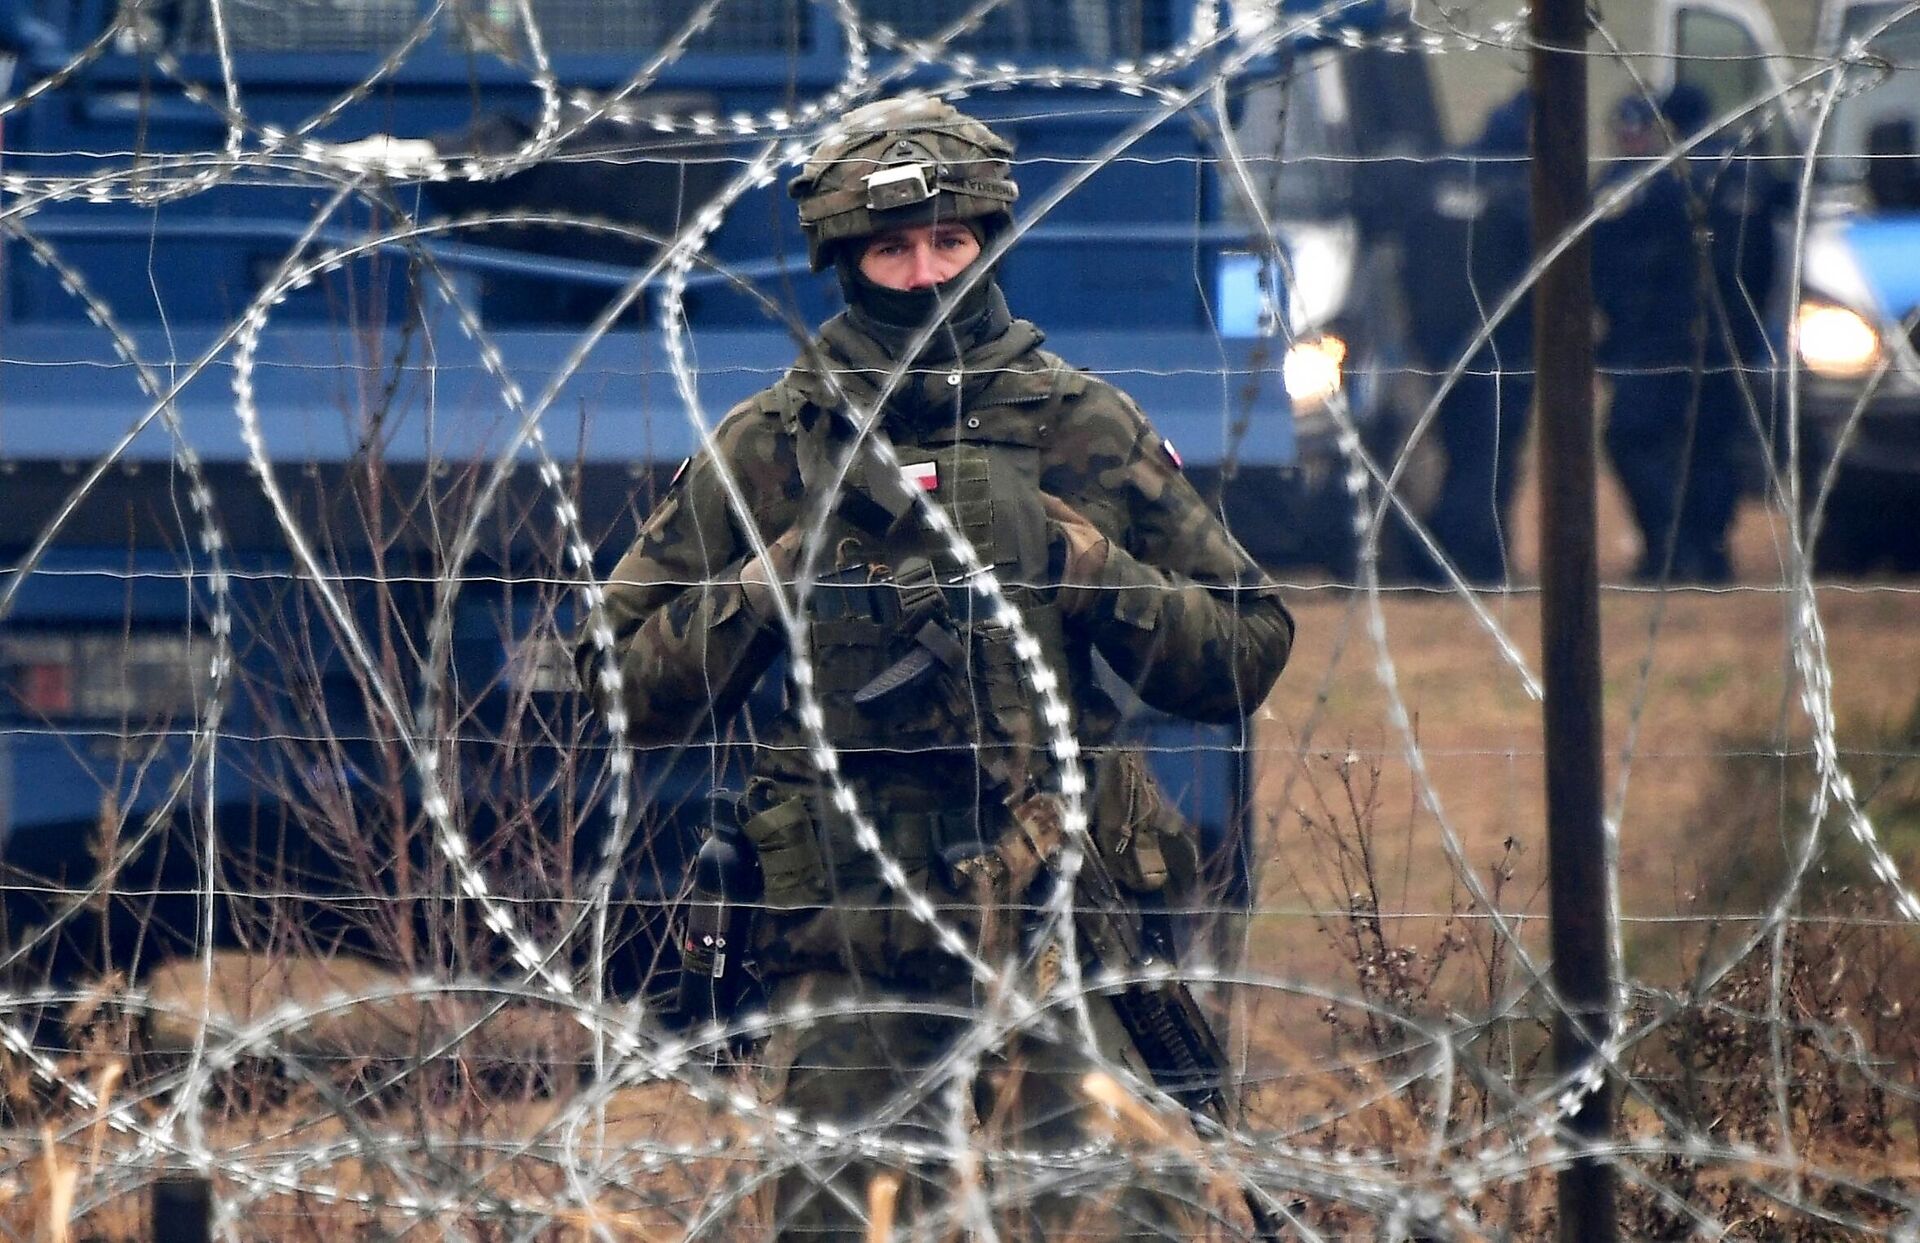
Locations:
(1184, 616)
(1188, 619)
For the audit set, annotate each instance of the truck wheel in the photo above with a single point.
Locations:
(1844, 543)
(1869, 522)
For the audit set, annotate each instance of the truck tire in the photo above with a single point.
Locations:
(1871, 518)
(1870, 522)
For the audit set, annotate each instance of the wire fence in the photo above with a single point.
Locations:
(350, 854)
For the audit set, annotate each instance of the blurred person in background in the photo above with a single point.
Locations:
(1081, 510)
(1471, 250)
(1682, 270)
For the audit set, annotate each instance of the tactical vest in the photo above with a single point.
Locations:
(907, 655)
(909, 660)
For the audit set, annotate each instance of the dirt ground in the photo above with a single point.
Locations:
(1698, 685)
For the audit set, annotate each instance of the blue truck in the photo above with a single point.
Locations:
(192, 700)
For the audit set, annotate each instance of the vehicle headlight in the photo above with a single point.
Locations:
(1834, 340)
(1311, 371)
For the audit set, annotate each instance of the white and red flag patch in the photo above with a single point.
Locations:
(923, 475)
(1173, 455)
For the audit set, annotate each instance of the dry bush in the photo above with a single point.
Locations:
(1797, 1064)
(1809, 1049)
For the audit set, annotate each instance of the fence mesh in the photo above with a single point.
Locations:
(325, 881)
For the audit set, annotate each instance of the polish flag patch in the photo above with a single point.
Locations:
(923, 475)
(1173, 455)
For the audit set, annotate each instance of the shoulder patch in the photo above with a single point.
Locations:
(1173, 455)
(679, 473)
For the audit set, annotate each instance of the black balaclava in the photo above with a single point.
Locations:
(892, 317)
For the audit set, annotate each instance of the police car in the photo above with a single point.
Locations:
(1856, 328)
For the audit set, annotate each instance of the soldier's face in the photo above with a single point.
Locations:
(919, 257)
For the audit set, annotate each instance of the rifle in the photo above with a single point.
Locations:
(1157, 1009)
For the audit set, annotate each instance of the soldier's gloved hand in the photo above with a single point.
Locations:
(755, 584)
(1081, 552)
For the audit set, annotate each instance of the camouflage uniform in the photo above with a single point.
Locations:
(1179, 611)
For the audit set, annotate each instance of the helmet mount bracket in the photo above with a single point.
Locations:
(900, 186)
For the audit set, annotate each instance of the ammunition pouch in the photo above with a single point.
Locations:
(828, 908)
(1148, 846)
(791, 869)
(805, 856)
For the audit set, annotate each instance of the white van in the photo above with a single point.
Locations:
(1731, 49)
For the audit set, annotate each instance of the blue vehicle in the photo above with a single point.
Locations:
(1856, 329)
(206, 703)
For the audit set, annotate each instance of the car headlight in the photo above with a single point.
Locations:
(1311, 371)
(1834, 340)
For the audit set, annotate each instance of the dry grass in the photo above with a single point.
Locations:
(494, 1152)
(1689, 675)
(49, 1170)
(1361, 899)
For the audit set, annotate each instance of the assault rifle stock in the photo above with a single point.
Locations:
(1161, 1014)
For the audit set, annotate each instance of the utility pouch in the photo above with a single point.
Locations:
(1146, 843)
(790, 865)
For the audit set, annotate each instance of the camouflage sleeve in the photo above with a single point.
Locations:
(688, 648)
(1185, 615)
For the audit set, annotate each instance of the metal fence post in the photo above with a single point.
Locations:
(1578, 883)
(182, 1207)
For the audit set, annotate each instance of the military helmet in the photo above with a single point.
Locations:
(901, 162)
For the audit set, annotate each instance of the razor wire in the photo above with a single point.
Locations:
(165, 1117)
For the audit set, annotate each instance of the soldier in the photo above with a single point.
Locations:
(1062, 486)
